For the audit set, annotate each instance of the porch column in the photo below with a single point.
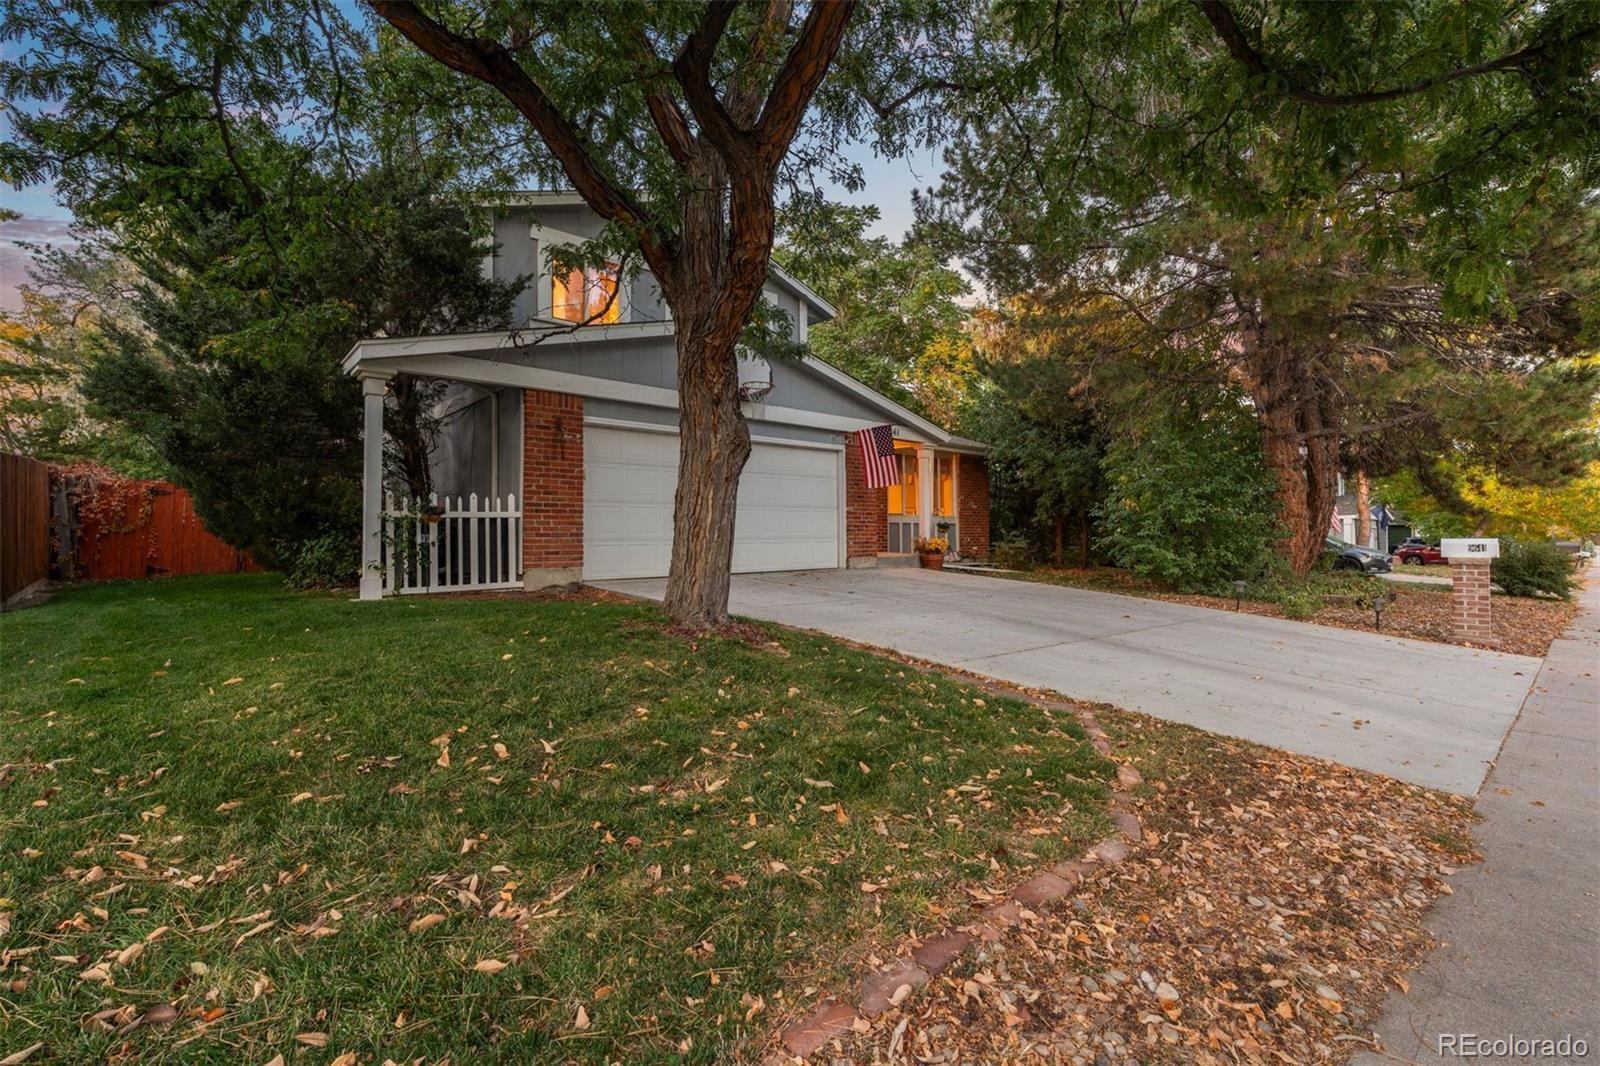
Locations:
(925, 490)
(373, 386)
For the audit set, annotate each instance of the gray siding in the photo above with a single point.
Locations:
(662, 416)
(796, 385)
(654, 361)
(517, 255)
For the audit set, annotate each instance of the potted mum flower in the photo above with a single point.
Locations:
(931, 551)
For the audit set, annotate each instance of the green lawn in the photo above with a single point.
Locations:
(676, 839)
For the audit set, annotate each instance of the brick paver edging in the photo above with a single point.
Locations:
(890, 986)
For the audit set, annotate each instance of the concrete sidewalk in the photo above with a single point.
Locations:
(1521, 934)
(1432, 714)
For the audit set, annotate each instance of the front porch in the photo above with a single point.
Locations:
(466, 534)
(938, 487)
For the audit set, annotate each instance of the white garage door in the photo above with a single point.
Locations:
(788, 517)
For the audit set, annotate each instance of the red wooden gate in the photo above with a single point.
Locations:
(149, 529)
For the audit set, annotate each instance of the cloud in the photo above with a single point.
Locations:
(34, 230)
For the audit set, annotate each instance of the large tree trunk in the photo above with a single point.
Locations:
(713, 444)
(1299, 419)
(1363, 510)
(712, 293)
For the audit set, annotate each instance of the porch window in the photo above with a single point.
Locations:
(579, 295)
(944, 479)
(903, 497)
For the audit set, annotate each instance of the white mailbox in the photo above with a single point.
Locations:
(1470, 547)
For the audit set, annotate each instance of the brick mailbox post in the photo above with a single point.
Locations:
(1469, 559)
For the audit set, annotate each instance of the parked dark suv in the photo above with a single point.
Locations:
(1347, 556)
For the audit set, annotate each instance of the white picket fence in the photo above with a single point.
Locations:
(462, 546)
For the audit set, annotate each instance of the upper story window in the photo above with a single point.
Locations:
(585, 295)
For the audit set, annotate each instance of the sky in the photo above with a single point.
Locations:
(889, 185)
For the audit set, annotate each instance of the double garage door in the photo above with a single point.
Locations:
(788, 516)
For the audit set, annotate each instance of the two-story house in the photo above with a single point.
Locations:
(557, 459)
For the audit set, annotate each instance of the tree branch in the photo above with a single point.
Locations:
(798, 78)
(491, 63)
(1227, 27)
(693, 69)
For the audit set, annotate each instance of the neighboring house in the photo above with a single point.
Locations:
(567, 437)
(1386, 530)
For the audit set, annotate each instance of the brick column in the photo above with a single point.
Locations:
(552, 488)
(866, 511)
(972, 506)
(1469, 601)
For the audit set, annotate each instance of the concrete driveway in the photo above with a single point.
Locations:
(1428, 713)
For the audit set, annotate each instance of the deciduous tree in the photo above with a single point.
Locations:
(1336, 202)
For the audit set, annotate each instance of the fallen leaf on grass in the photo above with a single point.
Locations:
(262, 928)
(16, 1058)
(347, 1059)
(233, 681)
(161, 1014)
(582, 1020)
(500, 751)
(426, 922)
(300, 797)
(231, 805)
(130, 953)
(489, 965)
(312, 1039)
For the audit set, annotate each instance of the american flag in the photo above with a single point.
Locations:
(877, 452)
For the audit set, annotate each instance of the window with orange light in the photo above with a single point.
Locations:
(903, 496)
(585, 295)
(944, 479)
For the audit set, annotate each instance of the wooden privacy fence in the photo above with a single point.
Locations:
(451, 547)
(85, 523)
(134, 529)
(24, 524)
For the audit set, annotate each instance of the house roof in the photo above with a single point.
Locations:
(441, 355)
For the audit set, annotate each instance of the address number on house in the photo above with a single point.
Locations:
(1470, 548)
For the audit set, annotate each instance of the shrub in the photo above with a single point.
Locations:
(332, 560)
(1533, 568)
(1012, 553)
(1190, 505)
(1298, 603)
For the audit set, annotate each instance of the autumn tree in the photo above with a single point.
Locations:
(1328, 199)
(903, 316)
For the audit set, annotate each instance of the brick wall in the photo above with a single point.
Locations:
(866, 514)
(552, 480)
(1470, 602)
(972, 505)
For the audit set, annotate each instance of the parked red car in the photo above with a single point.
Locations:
(1418, 554)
